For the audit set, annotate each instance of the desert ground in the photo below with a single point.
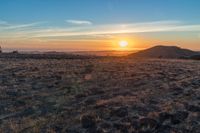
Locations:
(105, 95)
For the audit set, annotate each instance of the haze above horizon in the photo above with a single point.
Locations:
(93, 25)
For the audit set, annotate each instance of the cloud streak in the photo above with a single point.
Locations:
(158, 26)
(3, 22)
(7, 26)
(36, 31)
(79, 22)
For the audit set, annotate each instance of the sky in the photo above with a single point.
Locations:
(84, 25)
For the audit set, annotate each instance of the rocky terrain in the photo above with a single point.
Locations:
(105, 95)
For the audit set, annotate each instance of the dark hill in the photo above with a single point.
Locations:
(165, 52)
(195, 57)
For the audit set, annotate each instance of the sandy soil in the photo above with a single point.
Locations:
(108, 95)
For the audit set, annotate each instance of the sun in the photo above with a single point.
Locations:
(123, 44)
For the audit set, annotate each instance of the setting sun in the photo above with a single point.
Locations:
(123, 44)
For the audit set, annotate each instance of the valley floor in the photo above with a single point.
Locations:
(107, 95)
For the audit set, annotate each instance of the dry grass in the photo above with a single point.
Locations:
(52, 95)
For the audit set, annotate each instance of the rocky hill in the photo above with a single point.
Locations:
(165, 52)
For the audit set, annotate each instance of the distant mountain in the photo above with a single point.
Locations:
(165, 52)
(105, 53)
(195, 57)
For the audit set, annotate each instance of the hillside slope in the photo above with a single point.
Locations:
(165, 52)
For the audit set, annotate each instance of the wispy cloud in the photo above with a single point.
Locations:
(79, 22)
(3, 22)
(157, 26)
(22, 25)
(10, 31)
(8, 26)
(36, 31)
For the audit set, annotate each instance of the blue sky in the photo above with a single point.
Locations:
(100, 11)
(41, 21)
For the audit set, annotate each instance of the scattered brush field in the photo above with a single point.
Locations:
(99, 95)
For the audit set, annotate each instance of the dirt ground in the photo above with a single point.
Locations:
(107, 95)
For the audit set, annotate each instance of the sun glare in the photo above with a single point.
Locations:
(123, 44)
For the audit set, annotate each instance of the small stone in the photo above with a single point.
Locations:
(92, 130)
(88, 77)
(19, 103)
(135, 124)
(193, 108)
(105, 125)
(123, 127)
(164, 116)
(57, 128)
(126, 119)
(147, 125)
(91, 100)
(164, 129)
(120, 112)
(72, 131)
(58, 77)
(178, 89)
(88, 121)
(27, 112)
(153, 101)
(179, 117)
(12, 93)
(81, 95)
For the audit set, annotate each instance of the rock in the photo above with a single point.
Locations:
(135, 124)
(126, 119)
(35, 69)
(105, 125)
(100, 130)
(120, 112)
(193, 108)
(45, 109)
(165, 117)
(88, 121)
(194, 126)
(72, 131)
(2, 109)
(50, 86)
(164, 129)
(58, 77)
(152, 101)
(88, 77)
(131, 122)
(57, 128)
(123, 127)
(92, 130)
(12, 93)
(27, 112)
(19, 103)
(147, 125)
(37, 86)
(98, 91)
(80, 95)
(179, 117)
(178, 91)
(176, 118)
(91, 100)
(170, 129)
(141, 110)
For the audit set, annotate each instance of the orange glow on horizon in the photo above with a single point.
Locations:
(134, 43)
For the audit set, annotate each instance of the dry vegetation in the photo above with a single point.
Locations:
(107, 95)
